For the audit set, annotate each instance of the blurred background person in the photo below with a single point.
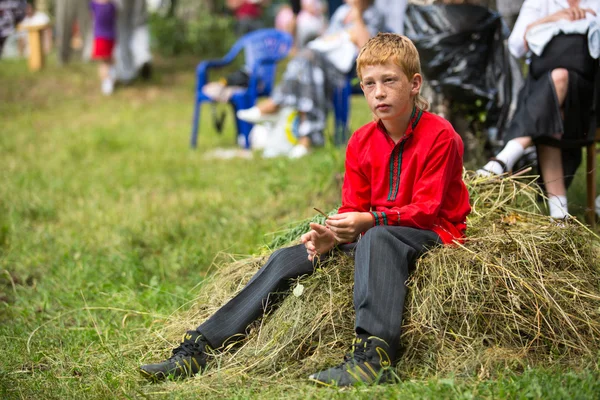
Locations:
(306, 25)
(67, 12)
(248, 14)
(17, 44)
(308, 81)
(11, 13)
(555, 103)
(104, 14)
(132, 52)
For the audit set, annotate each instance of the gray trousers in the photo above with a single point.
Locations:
(383, 258)
(67, 11)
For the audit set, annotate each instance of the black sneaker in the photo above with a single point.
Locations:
(187, 360)
(367, 363)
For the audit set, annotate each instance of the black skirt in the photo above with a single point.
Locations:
(538, 113)
(538, 116)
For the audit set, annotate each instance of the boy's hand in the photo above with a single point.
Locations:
(347, 226)
(319, 240)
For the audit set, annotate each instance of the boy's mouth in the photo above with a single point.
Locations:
(382, 106)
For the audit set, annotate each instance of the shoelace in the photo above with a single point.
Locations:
(187, 349)
(358, 352)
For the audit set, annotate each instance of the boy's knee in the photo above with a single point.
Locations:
(374, 235)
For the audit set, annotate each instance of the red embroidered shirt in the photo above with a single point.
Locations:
(416, 182)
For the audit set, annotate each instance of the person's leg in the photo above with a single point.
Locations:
(274, 277)
(550, 161)
(104, 70)
(64, 26)
(515, 148)
(233, 318)
(383, 259)
(550, 158)
(298, 73)
(124, 67)
(84, 20)
(507, 158)
(267, 106)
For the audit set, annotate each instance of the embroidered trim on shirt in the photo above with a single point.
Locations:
(380, 218)
(396, 157)
(376, 222)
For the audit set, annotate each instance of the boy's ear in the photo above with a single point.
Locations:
(417, 81)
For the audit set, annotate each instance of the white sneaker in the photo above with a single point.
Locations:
(298, 151)
(254, 115)
(108, 86)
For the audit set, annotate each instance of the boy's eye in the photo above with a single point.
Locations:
(369, 84)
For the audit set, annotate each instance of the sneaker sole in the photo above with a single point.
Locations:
(151, 377)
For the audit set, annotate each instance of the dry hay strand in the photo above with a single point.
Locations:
(522, 290)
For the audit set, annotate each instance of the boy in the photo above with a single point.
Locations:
(403, 192)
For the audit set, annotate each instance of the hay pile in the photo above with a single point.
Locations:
(522, 290)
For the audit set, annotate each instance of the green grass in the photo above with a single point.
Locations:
(109, 224)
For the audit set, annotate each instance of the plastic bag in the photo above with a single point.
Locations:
(464, 56)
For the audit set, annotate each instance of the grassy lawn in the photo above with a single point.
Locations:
(109, 223)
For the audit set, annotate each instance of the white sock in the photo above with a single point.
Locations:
(509, 155)
(558, 206)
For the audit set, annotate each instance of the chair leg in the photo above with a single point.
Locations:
(196, 120)
(243, 127)
(340, 111)
(591, 184)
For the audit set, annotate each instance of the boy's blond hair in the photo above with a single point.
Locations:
(397, 48)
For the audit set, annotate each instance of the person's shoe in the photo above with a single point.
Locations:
(367, 363)
(108, 86)
(298, 151)
(255, 116)
(493, 167)
(187, 360)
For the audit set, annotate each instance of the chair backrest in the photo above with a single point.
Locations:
(263, 48)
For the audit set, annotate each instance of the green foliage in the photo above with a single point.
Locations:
(207, 36)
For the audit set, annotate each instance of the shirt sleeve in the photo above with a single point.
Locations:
(444, 162)
(530, 12)
(356, 190)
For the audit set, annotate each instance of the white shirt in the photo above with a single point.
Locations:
(534, 10)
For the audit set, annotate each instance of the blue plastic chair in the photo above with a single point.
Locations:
(263, 49)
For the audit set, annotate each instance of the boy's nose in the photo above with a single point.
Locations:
(379, 91)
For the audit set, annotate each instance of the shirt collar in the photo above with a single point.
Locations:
(415, 117)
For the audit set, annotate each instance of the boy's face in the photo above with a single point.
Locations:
(389, 92)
